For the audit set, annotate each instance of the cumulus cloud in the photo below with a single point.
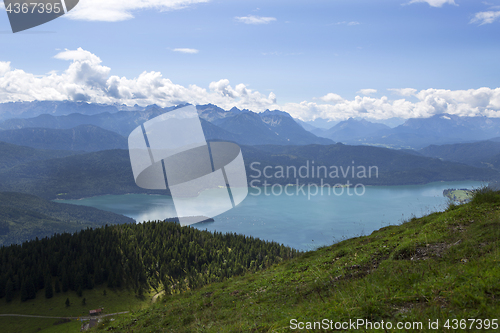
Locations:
(4, 67)
(403, 91)
(189, 51)
(435, 3)
(87, 79)
(485, 17)
(251, 19)
(473, 102)
(332, 98)
(120, 10)
(367, 91)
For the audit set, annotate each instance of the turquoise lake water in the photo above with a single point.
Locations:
(297, 220)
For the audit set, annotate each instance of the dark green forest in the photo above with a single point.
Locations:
(138, 256)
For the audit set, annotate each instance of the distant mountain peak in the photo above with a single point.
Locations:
(276, 113)
(234, 109)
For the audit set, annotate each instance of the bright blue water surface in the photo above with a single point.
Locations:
(296, 220)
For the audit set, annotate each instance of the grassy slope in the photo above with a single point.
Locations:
(114, 301)
(442, 266)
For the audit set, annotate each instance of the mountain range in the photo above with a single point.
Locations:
(12, 155)
(479, 154)
(244, 127)
(109, 172)
(58, 108)
(79, 138)
(241, 126)
(415, 133)
(351, 130)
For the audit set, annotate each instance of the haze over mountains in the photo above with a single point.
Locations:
(351, 130)
(79, 138)
(415, 133)
(62, 154)
(244, 127)
(57, 108)
(109, 172)
(102, 127)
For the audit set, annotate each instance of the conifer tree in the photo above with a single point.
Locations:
(9, 290)
(49, 292)
(57, 286)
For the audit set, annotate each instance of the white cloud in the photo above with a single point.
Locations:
(348, 23)
(435, 3)
(2, 6)
(403, 91)
(120, 10)
(367, 91)
(87, 79)
(4, 67)
(485, 17)
(184, 50)
(251, 19)
(332, 98)
(77, 55)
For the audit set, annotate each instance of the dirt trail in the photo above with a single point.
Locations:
(52, 317)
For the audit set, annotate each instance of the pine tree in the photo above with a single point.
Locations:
(9, 291)
(3, 283)
(65, 283)
(49, 292)
(31, 289)
(57, 286)
(24, 291)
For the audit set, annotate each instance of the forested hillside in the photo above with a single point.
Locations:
(110, 172)
(79, 138)
(138, 256)
(25, 217)
(11, 155)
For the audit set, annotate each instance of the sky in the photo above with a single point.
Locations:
(330, 59)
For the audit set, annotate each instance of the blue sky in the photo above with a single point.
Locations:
(331, 59)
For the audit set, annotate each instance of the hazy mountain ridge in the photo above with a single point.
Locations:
(74, 177)
(12, 155)
(414, 133)
(80, 138)
(122, 122)
(395, 167)
(58, 108)
(477, 154)
(351, 129)
(269, 127)
(110, 172)
(241, 126)
(418, 133)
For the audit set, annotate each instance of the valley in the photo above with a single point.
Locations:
(69, 203)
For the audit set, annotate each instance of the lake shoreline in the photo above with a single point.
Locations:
(297, 221)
